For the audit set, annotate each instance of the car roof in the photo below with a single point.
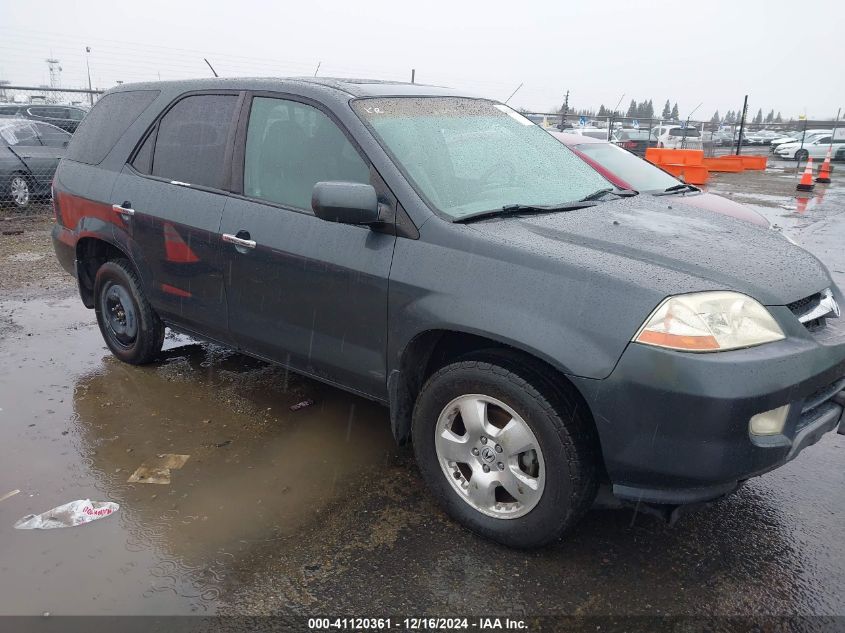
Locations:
(575, 139)
(325, 85)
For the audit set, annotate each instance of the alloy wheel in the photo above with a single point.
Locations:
(490, 456)
(19, 190)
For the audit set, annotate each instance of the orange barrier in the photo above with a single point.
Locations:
(754, 162)
(663, 155)
(693, 174)
(721, 164)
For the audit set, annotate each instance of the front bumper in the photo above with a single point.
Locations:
(673, 426)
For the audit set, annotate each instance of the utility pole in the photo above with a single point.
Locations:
(413, 74)
(88, 68)
(563, 112)
(610, 118)
(742, 125)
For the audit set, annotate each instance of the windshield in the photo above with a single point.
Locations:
(465, 156)
(639, 174)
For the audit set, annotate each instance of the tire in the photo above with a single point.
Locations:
(130, 327)
(19, 190)
(802, 155)
(559, 481)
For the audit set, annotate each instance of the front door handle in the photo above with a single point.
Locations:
(239, 241)
(124, 209)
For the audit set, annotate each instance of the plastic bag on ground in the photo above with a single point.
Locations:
(68, 515)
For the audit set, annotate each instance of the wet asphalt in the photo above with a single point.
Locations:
(315, 511)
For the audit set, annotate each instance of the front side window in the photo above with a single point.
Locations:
(51, 136)
(465, 156)
(191, 142)
(291, 146)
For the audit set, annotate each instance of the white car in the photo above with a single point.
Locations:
(592, 132)
(795, 137)
(816, 146)
(677, 137)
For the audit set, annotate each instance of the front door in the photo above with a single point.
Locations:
(174, 195)
(308, 293)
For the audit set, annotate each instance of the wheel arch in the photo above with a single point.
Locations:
(430, 350)
(92, 251)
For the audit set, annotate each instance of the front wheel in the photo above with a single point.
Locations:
(802, 155)
(19, 191)
(130, 327)
(504, 451)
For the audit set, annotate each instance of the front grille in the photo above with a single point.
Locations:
(804, 305)
(813, 311)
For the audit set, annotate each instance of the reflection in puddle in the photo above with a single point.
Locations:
(257, 471)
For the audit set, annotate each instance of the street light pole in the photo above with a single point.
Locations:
(88, 68)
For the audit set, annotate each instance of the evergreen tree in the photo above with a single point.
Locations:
(778, 118)
(759, 117)
(602, 110)
(675, 114)
(770, 117)
(649, 110)
(667, 112)
(715, 118)
(632, 109)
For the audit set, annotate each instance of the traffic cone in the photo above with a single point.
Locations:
(806, 183)
(824, 170)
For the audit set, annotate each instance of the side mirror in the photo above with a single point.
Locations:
(345, 202)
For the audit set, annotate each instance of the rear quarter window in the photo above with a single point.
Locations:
(105, 124)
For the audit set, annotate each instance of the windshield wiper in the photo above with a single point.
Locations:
(521, 209)
(597, 194)
(681, 186)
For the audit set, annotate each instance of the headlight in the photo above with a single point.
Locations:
(709, 322)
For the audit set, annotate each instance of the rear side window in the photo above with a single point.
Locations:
(191, 142)
(105, 124)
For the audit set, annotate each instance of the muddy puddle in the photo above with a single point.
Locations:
(76, 423)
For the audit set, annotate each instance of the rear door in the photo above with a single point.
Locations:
(174, 191)
(310, 294)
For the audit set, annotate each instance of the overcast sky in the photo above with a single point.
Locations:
(782, 54)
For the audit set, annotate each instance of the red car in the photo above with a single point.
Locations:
(627, 171)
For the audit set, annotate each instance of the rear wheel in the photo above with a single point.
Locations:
(19, 191)
(130, 327)
(503, 451)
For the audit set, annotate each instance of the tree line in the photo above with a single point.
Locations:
(671, 112)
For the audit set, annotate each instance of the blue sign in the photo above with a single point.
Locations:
(635, 124)
(582, 121)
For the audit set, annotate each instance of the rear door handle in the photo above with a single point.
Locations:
(238, 241)
(126, 210)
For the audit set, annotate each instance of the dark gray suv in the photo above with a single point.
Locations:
(534, 332)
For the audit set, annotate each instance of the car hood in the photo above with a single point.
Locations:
(718, 204)
(666, 247)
